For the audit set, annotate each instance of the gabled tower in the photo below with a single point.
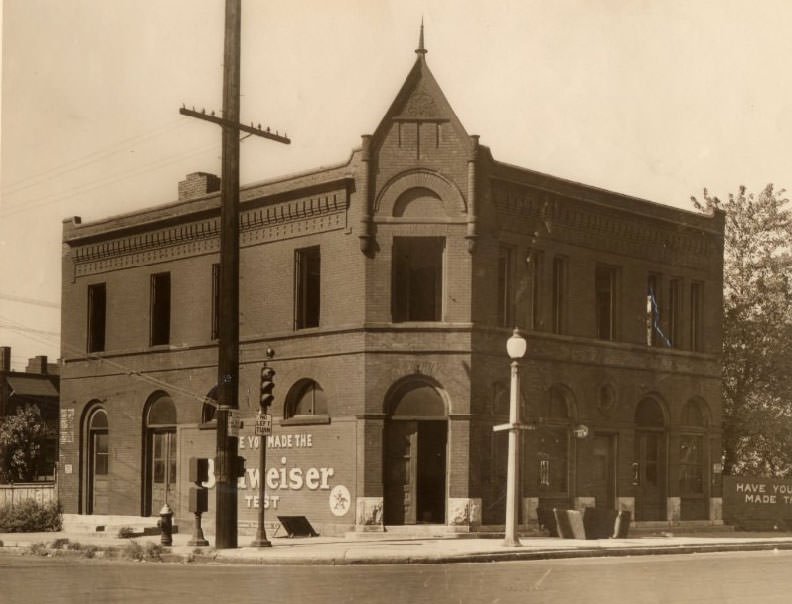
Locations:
(419, 144)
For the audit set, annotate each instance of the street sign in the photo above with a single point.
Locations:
(263, 424)
(234, 424)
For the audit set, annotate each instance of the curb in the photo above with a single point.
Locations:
(344, 559)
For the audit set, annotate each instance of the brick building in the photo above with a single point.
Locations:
(387, 286)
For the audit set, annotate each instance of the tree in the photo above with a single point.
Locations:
(21, 438)
(757, 331)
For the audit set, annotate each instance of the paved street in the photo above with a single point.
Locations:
(737, 577)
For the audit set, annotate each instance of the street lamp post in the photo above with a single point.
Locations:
(516, 347)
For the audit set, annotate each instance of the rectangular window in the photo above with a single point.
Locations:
(505, 296)
(417, 285)
(536, 283)
(559, 293)
(160, 308)
(605, 285)
(691, 474)
(695, 316)
(674, 290)
(307, 277)
(654, 335)
(215, 301)
(97, 317)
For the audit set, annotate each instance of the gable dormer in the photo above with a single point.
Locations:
(419, 151)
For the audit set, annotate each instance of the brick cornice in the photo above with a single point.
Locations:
(285, 219)
(561, 218)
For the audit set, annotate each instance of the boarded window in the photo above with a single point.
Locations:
(97, 317)
(417, 290)
(160, 308)
(307, 276)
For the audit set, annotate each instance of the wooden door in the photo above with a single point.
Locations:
(401, 452)
(650, 501)
(99, 483)
(431, 469)
(162, 469)
(603, 471)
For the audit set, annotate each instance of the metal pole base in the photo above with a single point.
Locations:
(261, 543)
(508, 542)
(198, 539)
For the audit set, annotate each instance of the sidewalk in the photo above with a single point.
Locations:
(384, 549)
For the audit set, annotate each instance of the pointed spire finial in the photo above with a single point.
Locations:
(421, 50)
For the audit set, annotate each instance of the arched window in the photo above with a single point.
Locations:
(209, 407)
(162, 413)
(649, 414)
(418, 399)
(306, 403)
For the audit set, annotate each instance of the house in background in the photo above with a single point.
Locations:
(387, 286)
(37, 385)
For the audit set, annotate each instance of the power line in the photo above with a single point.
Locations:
(33, 301)
(116, 365)
(69, 166)
(90, 186)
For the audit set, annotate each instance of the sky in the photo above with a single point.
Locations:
(653, 99)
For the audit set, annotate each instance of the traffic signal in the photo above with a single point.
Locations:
(266, 397)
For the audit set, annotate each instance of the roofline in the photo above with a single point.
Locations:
(197, 205)
(716, 214)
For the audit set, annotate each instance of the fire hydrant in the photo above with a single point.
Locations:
(165, 524)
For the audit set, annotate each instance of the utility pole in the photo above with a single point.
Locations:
(228, 347)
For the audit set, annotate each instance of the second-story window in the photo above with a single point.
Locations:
(559, 293)
(97, 317)
(417, 286)
(160, 308)
(654, 332)
(605, 285)
(215, 301)
(505, 296)
(307, 279)
(695, 316)
(674, 290)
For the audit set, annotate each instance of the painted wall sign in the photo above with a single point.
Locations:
(753, 502)
(66, 426)
(307, 471)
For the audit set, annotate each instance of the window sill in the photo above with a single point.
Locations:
(306, 420)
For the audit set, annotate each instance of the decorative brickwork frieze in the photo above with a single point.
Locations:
(272, 222)
(580, 223)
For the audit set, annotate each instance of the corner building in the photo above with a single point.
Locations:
(387, 287)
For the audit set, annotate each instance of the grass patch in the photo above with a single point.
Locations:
(30, 516)
(126, 532)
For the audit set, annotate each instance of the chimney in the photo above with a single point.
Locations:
(198, 184)
(5, 358)
(37, 365)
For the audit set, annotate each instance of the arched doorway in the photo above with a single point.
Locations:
(414, 466)
(160, 466)
(97, 456)
(650, 455)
